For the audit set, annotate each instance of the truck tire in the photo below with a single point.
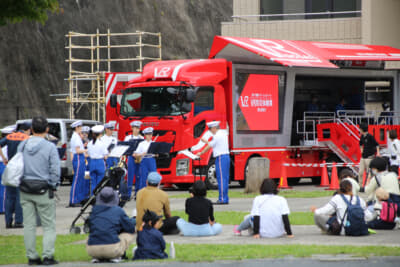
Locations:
(242, 183)
(211, 175)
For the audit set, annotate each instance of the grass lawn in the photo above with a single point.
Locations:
(236, 217)
(285, 193)
(13, 252)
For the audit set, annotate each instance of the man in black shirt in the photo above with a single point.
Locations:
(369, 147)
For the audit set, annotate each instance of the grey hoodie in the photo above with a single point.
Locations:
(41, 160)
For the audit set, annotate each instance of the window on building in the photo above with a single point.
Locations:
(316, 6)
(270, 7)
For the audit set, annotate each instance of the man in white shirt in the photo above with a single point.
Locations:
(78, 190)
(147, 163)
(394, 150)
(220, 146)
(110, 141)
(133, 167)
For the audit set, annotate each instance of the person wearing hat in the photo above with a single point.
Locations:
(220, 146)
(110, 141)
(13, 205)
(110, 229)
(147, 163)
(150, 241)
(133, 166)
(3, 152)
(78, 189)
(154, 199)
(98, 152)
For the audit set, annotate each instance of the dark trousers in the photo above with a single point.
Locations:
(13, 206)
(169, 226)
(382, 225)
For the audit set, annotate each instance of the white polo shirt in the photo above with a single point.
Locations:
(97, 150)
(219, 143)
(76, 141)
(108, 140)
(133, 137)
(143, 147)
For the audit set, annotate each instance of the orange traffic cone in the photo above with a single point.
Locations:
(324, 176)
(283, 180)
(334, 178)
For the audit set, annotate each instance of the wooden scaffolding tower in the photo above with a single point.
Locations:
(90, 57)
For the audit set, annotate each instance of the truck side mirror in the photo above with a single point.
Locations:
(113, 101)
(186, 107)
(190, 95)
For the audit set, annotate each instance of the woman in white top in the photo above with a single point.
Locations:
(78, 190)
(269, 214)
(394, 150)
(133, 167)
(348, 175)
(98, 152)
(338, 207)
(147, 163)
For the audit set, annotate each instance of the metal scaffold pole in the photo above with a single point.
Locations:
(88, 64)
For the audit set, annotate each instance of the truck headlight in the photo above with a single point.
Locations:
(182, 167)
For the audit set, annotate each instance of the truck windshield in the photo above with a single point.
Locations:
(151, 101)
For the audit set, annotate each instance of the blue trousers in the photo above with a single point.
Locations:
(222, 164)
(97, 170)
(133, 173)
(2, 190)
(13, 206)
(78, 189)
(111, 162)
(190, 229)
(146, 166)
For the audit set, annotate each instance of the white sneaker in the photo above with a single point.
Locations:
(116, 260)
(133, 251)
(95, 260)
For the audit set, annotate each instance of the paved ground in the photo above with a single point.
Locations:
(303, 234)
(315, 261)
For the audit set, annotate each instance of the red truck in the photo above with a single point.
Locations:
(278, 99)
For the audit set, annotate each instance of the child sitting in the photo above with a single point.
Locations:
(201, 214)
(150, 241)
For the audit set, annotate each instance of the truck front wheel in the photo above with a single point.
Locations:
(211, 175)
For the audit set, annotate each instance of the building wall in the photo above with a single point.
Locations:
(345, 30)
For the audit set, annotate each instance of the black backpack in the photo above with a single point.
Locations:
(355, 223)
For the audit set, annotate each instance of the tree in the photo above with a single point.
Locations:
(12, 11)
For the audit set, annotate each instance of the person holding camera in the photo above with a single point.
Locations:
(40, 180)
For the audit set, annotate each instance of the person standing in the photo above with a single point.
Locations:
(5, 131)
(133, 166)
(147, 163)
(110, 141)
(13, 205)
(394, 151)
(369, 147)
(77, 193)
(41, 167)
(98, 152)
(220, 146)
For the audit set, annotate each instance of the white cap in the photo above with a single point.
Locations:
(76, 124)
(98, 129)
(109, 125)
(136, 124)
(9, 129)
(148, 130)
(85, 129)
(213, 124)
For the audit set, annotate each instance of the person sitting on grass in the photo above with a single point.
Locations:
(150, 241)
(111, 230)
(348, 175)
(378, 223)
(329, 217)
(269, 214)
(201, 214)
